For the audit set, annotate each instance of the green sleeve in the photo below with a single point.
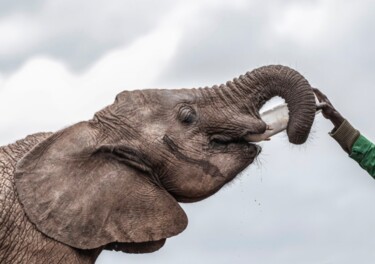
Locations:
(356, 145)
(345, 135)
(363, 151)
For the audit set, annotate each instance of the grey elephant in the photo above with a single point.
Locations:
(114, 182)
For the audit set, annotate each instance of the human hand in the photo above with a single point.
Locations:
(328, 110)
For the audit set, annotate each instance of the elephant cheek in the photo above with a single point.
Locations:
(231, 165)
(193, 182)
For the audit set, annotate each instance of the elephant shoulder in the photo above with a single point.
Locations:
(20, 241)
(15, 151)
(9, 156)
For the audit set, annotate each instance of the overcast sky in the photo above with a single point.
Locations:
(63, 60)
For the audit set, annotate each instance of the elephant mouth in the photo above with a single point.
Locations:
(221, 143)
(225, 140)
(243, 153)
(136, 248)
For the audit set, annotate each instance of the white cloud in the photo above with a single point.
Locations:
(304, 22)
(316, 23)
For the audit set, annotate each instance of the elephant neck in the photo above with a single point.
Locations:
(20, 241)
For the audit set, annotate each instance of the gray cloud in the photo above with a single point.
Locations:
(16, 6)
(79, 32)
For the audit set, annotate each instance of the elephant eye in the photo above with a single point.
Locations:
(187, 115)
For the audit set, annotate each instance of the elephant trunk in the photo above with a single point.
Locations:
(263, 83)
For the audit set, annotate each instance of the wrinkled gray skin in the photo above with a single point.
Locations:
(114, 182)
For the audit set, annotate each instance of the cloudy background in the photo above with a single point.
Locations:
(62, 60)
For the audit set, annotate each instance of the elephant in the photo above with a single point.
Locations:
(115, 182)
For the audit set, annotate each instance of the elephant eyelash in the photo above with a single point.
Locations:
(187, 115)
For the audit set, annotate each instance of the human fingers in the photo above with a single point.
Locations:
(321, 96)
(321, 106)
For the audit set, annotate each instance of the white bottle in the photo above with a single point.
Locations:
(277, 121)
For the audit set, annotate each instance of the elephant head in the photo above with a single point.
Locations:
(115, 181)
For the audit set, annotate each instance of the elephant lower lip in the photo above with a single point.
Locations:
(185, 199)
(133, 247)
(247, 151)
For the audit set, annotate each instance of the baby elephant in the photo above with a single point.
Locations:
(114, 182)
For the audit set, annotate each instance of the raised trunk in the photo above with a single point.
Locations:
(260, 85)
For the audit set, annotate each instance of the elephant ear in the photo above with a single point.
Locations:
(87, 199)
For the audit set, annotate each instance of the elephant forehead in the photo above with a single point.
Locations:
(153, 130)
